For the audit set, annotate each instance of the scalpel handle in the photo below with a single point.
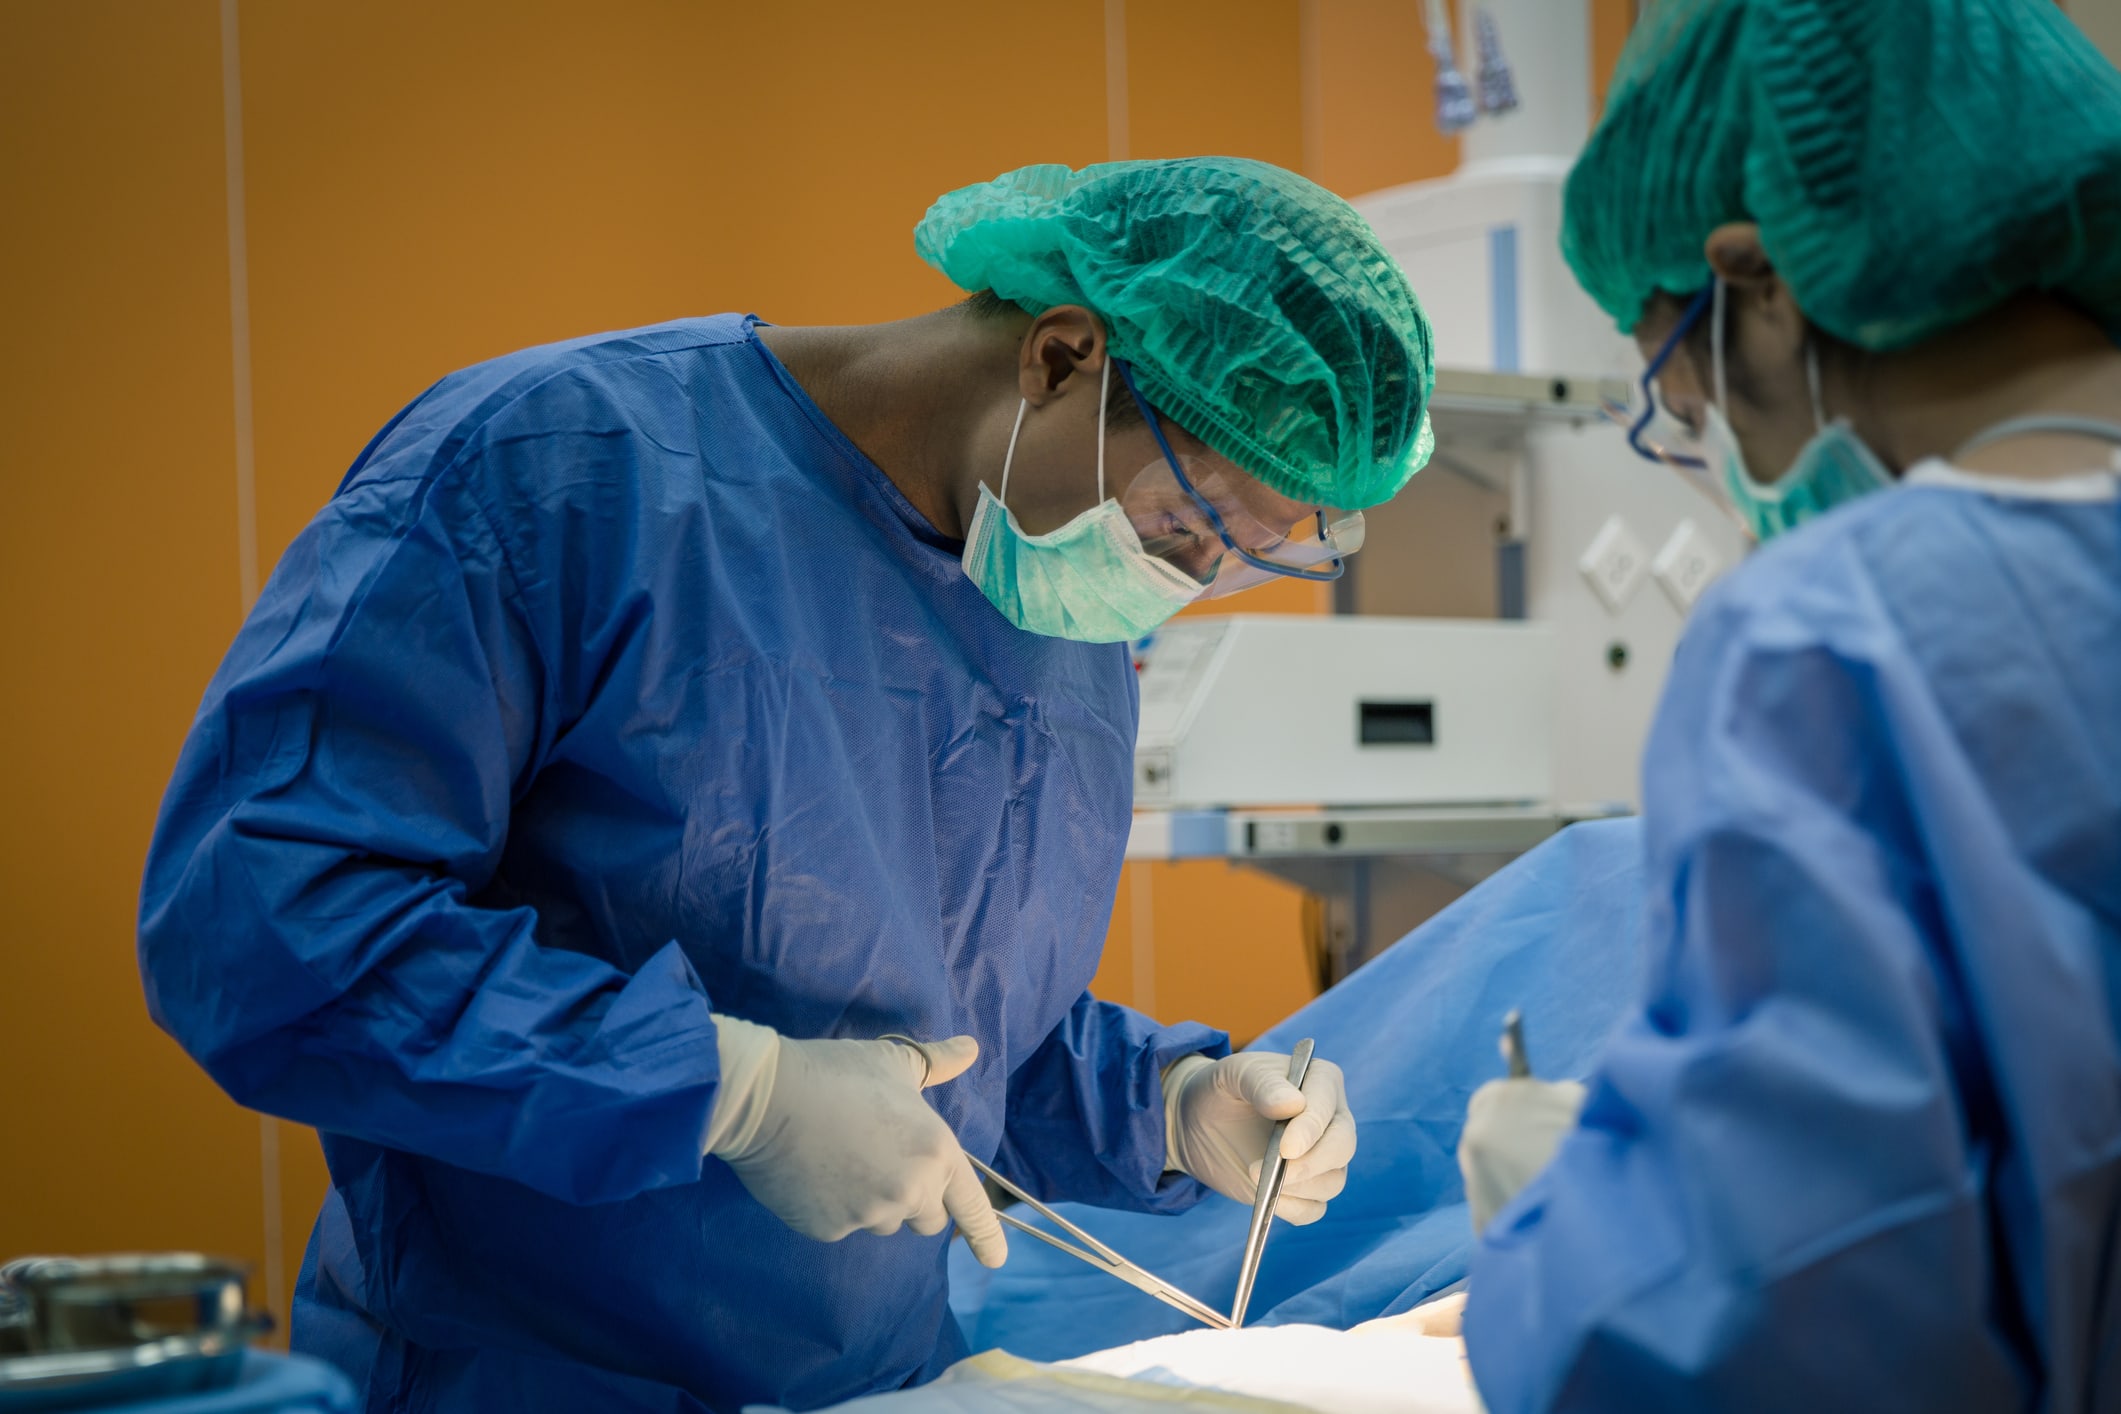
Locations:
(1513, 1052)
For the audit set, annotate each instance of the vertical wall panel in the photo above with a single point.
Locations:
(1215, 77)
(433, 185)
(1379, 118)
(1229, 946)
(1611, 23)
(118, 570)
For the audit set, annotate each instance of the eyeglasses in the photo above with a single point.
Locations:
(1638, 423)
(1169, 511)
(1312, 547)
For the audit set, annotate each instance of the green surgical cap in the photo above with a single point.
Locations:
(1257, 310)
(1911, 163)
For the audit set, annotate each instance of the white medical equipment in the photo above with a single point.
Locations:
(1280, 709)
(1590, 540)
(1535, 533)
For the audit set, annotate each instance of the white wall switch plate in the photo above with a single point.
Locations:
(1687, 565)
(1615, 563)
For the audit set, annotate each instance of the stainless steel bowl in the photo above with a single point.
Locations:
(80, 1331)
(128, 1298)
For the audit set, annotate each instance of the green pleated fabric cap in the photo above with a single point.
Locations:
(1257, 309)
(1911, 163)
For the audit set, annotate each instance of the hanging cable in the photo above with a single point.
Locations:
(1498, 86)
(1454, 99)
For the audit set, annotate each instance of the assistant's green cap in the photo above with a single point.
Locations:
(1911, 163)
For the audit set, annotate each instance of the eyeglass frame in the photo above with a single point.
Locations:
(1222, 531)
(1651, 451)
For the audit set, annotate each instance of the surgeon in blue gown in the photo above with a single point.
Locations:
(1861, 1147)
(656, 725)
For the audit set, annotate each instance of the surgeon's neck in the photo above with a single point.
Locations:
(2034, 355)
(929, 400)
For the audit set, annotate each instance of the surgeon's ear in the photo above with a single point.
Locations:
(1062, 352)
(1734, 251)
(1766, 319)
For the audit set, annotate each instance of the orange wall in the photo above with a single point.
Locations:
(118, 571)
(428, 185)
(1377, 107)
(1610, 22)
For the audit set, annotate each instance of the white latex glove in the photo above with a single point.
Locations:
(1512, 1129)
(833, 1137)
(1219, 1113)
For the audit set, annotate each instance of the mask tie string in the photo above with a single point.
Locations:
(1104, 387)
(1023, 406)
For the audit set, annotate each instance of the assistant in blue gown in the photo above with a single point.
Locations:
(615, 679)
(1864, 1143)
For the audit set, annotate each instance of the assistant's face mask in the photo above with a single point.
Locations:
(1830, 470)
(1090, 581)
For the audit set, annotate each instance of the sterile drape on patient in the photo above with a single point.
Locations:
(1558, 933)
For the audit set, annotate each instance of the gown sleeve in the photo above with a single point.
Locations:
(1774, 1198)
(308, 929)
(1086, 1110)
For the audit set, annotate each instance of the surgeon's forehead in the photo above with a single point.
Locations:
(1261, 499)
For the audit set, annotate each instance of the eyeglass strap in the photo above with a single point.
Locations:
(1716, 326)
(1104, 388)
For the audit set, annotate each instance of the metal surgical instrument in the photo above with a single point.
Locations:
(1271, 1168)
(1098, 1254)
(1513, 1054)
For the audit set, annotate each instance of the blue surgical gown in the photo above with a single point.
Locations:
(1861, 1149)
(615, 685)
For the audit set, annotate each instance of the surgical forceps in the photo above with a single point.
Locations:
(1097, 1254)
(1267, 1194)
